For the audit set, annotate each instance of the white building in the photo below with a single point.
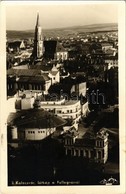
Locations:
(112, 61)
(106, 46)
(54, 75)
(71, 109)
(33, 124)
(80, 88)
(61, 52)
(62, 55)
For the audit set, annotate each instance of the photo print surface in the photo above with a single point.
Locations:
(62, 66)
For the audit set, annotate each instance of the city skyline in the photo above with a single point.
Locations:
(60, 15)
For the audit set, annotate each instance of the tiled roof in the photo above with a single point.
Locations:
(33, 79)
(71, 133)
(29, 74)
(14, 44)
(34, 118)
(53, 72)
(41, 67)
(86, 142)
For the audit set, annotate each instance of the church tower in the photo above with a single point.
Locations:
(38, 49)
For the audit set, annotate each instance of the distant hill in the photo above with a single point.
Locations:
(64, 32)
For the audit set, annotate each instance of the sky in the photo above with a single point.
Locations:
(23, 17)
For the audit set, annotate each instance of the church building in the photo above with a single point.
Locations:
(38, 49)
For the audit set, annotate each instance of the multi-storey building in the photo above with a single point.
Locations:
(71, 109)
(112, 61)
(61, 52)
(94, 147)
(27, 79)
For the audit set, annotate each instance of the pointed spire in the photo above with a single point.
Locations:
(38, 41)
(37, 23)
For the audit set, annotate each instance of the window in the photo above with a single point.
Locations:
(76, 151)
(31, 131)
(99, 154)
(81, 153)
(58, 111)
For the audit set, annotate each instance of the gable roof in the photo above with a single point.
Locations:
(41, 67)
(28, 74)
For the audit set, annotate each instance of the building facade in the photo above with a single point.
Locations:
(54, 75)
(27, 79)
(95, 148)
(34, 124)
(68, 110)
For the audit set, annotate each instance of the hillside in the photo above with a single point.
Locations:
(63, 32)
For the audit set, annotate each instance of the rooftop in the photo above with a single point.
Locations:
(86, 142)
(28, 74)
(42, 67)
(53, 72)
(34, 118)
(14, 44)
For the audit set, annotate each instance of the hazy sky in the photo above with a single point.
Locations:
(23, 17)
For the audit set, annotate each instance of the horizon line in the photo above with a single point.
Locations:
(66, 26)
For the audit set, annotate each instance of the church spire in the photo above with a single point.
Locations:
(37, 23)
(38, 49)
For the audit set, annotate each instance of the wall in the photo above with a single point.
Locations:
(27, 103)
(38, 134)
(85, 109)
(55, 78)
(79, 89)
(10, 105)
(47, 86)
(62, 55)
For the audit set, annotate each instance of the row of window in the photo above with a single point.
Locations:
(34, 131)
(84, 153)
(26, 86)
(68, 141)
(100, 143)
(68, 111)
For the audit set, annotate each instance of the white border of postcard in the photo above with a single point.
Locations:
(3, 147)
